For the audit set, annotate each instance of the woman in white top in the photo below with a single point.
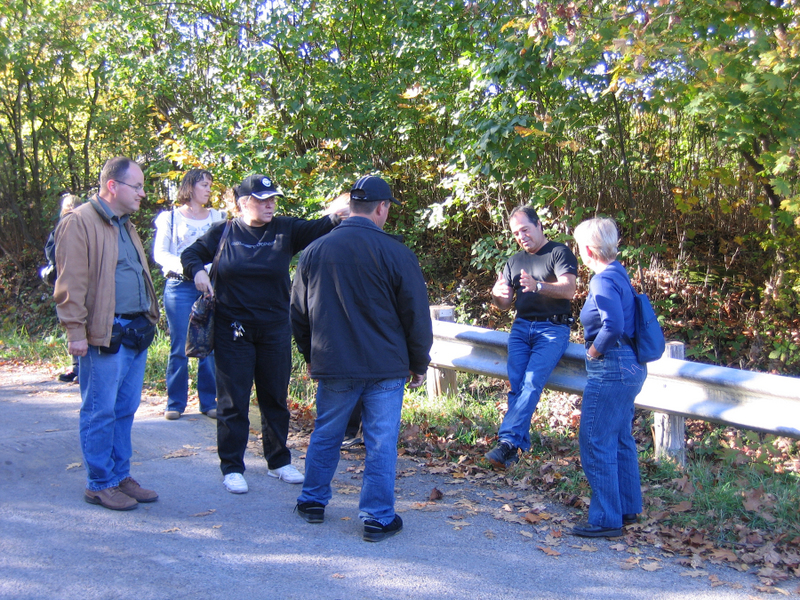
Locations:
(176, 230)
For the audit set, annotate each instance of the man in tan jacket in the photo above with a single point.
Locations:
(106, 300)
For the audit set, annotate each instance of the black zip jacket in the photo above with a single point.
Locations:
(359, 305)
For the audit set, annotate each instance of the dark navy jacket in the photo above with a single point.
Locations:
(360, 306)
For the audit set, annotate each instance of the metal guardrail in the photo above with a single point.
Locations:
(745, 399)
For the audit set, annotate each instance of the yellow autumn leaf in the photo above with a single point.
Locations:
(528, 131)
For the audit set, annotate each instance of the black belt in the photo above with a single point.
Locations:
(129, 316)
(174, 275)
(620, 343)
(554, 319)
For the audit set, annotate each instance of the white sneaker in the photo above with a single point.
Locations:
(288, 473)
(235, 483)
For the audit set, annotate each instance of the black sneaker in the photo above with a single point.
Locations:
(351, 440)
(375, 532)
(311, 512)
(68, 377)
(630, 519)
(503, 455)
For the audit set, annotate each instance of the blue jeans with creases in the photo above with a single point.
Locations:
(178, 299)
(382, 401)
(534, 349)
(608, 450)
(111, 389)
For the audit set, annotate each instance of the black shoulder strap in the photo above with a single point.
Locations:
(219, 250)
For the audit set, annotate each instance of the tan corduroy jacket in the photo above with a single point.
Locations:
(87, 248)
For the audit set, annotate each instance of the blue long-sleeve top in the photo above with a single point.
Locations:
(609, 311)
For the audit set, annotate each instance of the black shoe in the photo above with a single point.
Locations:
(630, 519)
(588, 530)
(503, 455)
(351, 440)
(68, 377)
(375, 532)
(311, 512)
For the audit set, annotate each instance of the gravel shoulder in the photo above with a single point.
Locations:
(198, 541)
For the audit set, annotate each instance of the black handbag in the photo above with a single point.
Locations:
(200, 332)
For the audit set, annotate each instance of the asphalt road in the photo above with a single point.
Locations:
(198, 541)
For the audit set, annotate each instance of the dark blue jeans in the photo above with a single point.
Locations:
(608, 450)
(178, 299)
(534, 349)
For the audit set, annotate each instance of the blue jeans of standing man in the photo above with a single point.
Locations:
(382, 401)
(534, 349)
(111, 389)
(608, 450)
(178, 299)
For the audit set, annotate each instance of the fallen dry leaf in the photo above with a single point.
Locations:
(489, 534)
(435, 494)
(682, 506)
(527, 534)
(770, 590)
(210, 511)
(693, 573)
(549, 551)
(588, 548)
(216, 526)
(173, 530)
(73, 466)
(652, 566)
(182, 453)
(618, 547)
(337, 576)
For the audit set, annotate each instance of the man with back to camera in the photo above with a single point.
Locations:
(540, 281)
(106, 300)
(360, 318)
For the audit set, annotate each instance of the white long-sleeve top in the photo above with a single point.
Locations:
(175, 233)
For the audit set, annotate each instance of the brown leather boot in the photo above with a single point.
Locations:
(130, 487)
(112, 498)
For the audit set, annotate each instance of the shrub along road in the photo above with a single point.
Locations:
(199, 541)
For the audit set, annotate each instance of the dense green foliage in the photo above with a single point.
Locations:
(680, 120)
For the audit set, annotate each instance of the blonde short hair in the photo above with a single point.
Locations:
(68, 203)
(600, 235)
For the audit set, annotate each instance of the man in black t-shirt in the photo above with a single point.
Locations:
(540, 282)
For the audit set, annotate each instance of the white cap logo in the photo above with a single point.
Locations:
(266, 182)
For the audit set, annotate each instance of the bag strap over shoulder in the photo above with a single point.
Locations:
(222, 240)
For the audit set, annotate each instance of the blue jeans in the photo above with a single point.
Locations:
(111, 388)
(534, 349)
(178, 299)
(382, 401)
(608, 450)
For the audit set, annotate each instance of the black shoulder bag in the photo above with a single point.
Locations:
(200, 333)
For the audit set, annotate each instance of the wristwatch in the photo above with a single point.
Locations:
(538, 286)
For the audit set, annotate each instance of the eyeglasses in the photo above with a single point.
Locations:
(136, 188)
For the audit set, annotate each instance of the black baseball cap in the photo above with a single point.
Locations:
(371, 189)
(258, 186)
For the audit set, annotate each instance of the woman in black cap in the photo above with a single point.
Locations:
(252, 334)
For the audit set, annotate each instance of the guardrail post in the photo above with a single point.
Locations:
(442, 382)
(669, 431)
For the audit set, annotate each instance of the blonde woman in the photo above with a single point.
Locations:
(48, 273)
(176, 230)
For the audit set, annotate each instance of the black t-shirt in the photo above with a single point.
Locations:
(548, 264)
(252, 284)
